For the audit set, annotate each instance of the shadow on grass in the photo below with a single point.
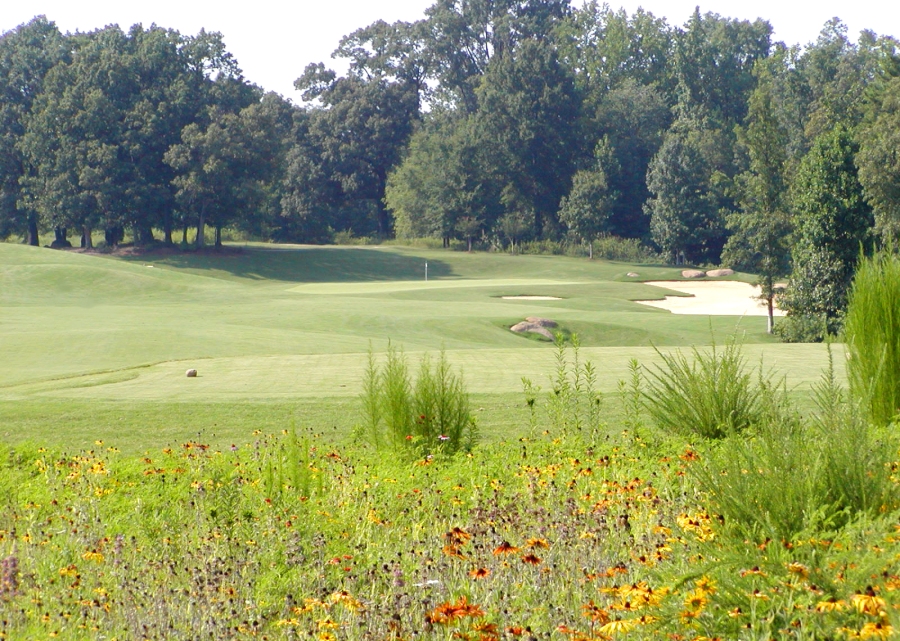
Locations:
(300, 264)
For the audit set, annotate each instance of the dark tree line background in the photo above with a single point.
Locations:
(500, 120)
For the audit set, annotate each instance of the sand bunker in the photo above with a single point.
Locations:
(727, 298)
(531, 298)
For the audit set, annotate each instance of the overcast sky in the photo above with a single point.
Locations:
(274, 41)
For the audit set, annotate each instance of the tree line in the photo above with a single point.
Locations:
(508, 120)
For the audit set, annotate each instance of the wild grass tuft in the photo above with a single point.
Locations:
(872, 335)
(710, 395)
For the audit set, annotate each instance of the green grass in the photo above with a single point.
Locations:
(272, 328)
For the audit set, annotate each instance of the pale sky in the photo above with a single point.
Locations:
(273, 41)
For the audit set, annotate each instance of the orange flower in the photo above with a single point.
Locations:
(505, 548)
(479, 573)
(531, 559)
(754, 571)
(595, 613)
(457, 536)
(447, 612)
(453, 551)
(538, 543)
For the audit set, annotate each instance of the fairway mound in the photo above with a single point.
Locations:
(543, 322)
(530, 327)
(530, 297)
(716, 273)
(693, 273)
(722, 298)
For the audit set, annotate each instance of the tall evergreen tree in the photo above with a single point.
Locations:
(760, 230)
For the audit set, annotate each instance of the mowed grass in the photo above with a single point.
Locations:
(95, 346)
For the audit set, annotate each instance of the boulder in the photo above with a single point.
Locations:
(525, 326)
(543, 322)
(693, 273)
(715, 273)
(191, 373)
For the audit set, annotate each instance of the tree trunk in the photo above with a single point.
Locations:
(218, 237)
(770, 328)
(201, 227)
(32, 238)
(167, 228)
(469, 239)
(184, 232)
(143, 235)
(86, 241)
(590, 250)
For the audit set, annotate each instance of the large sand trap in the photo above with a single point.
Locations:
(720, 298)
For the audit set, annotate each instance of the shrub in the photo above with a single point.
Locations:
(426, 417)
(710, 395)
(872, 335)
(790, 477)
(801, 329)
(766, 485)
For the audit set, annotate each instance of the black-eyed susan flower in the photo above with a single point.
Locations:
(868, 603)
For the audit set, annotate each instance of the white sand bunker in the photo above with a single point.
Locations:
(725, 298)
(531, 298)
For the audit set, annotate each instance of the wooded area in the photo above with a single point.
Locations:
(501, 121)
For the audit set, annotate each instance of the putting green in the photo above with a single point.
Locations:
(512, 284)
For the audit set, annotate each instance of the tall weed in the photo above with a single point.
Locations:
(427, 416)
(872, 335)
(574, 406)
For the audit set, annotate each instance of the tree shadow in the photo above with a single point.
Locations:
(299, 264)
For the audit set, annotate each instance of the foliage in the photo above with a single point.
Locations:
(791, 477)
(426, 417)
(872, 335)
(802, 329)
(587, 209)
(574, 405)
(833, 225)
(710, 395)
(879, 167)
(685, 209)
(761, 230)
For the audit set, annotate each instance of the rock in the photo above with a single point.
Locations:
(693, 273)
(543, 322)
(715, 273)
(632, 274)
(191, 373)
(525, 326)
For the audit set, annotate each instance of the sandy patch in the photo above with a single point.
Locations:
(531, 298)
(728, 298)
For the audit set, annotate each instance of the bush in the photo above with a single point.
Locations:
(426, 417)
(872, 335)
(801, 329)
(792, 477)
(710, 395)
